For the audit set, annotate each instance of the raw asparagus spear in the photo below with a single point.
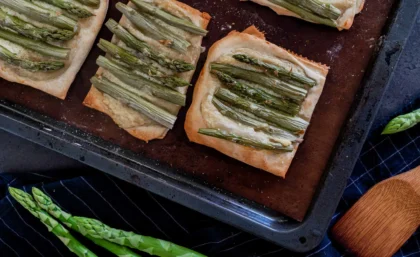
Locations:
(67, 219)
(293, 124)
(304, 14)
(295, 94)
(92, 3)
(243, 140)
(40, 14)
(26, 29)
(13, 59)
(257, 95)
(147, 244)
(136, 102)
(34, 45)
(151, 28)
(78, 11)
(143, 47)
(402, 123)
(275, 70)
(61, 232)
(138, 82)
(169, 18)
(254, 122)
(319, 8)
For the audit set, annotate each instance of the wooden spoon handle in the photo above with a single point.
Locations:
(382, 221)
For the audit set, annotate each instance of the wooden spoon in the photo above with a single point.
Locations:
(383, 219)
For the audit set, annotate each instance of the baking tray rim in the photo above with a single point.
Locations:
(219, 204)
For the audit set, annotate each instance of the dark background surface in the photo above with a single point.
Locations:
(19, 155)
(346, 52)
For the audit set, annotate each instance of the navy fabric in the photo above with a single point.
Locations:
(122, 205)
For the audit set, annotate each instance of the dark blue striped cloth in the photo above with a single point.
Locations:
(122, 205)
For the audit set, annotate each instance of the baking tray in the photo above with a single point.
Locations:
(194, 175)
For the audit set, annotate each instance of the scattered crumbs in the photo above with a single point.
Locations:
(334, 51)
(226, 27)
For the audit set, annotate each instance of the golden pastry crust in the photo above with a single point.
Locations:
(276, 163)
(352, 8)
(135, 123)
(60, 81)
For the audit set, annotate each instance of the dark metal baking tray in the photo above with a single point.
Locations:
(35, 119)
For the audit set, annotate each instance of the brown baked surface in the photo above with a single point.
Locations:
(347, 53)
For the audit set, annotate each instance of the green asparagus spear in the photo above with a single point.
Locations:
(123, 56)
(34, 45)
(318, 7)
(169, 18)
(141, 82)
(136, 102)
(402, 123)
(304, 14)
(149, 26)
(40, 14)
(70, 7)
(49, 206)
(143, 47)
(250, 120)
(92, 3)
(275, 70)
(53, 9)
(146, 244)
(293, 124)
(257, 95)
(218, 133)
(292, 92)
(26, 29)
(178, 37)
(154, 75)
(61, 232)
(13, 59)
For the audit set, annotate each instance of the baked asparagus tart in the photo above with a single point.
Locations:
(142, 80)
(339, 14)
(43, 43)
(253, 100)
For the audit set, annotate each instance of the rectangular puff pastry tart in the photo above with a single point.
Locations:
(43, 43)
(253, 101)
(339, 14)
(143, 79)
